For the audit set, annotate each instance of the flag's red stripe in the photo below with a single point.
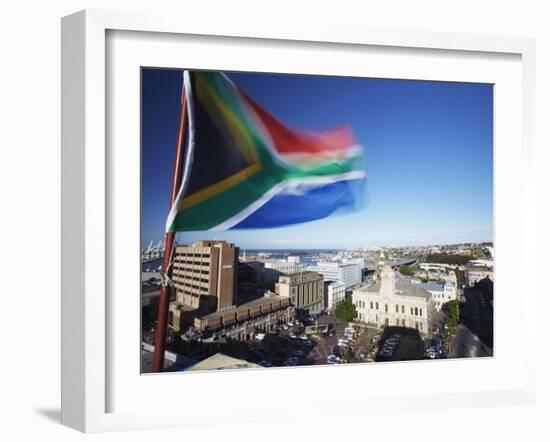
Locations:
(289, 141)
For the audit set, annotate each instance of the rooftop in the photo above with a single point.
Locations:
(402, 288)
(431, 287)
(476, 268)
(269, 297)
(221, 361)
(408, 289)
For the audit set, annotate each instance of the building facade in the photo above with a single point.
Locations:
(241, 321)
(348, 273)
(305, 291)
(441, 293)
(335, 293)
(393, 302)
(277, 267)
(205, 280)
(474, 274)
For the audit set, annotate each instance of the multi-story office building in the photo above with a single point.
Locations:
(205, 279)
(441, 293)
(394, 302)
(277, 267)
(335, 293)
(360, 261)
(475, 274)
(305, 291)
(348, 273)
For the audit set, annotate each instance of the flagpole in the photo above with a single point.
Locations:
(169, 240)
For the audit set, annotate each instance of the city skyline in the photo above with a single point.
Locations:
(428, 149)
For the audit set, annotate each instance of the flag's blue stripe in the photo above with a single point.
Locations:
(319, 202)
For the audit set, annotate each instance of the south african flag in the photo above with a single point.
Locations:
(244, 169)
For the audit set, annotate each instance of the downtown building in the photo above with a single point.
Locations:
(475, 273)
(305, 291)
(205, 277)
(205, 280)
(335, 293)
(394, 302)
(351, 274)
(441, 292)
(273, 268)
(242, 321)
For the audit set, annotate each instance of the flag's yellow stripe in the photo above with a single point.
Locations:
(219, 187)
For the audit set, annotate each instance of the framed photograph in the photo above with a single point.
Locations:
(321, 213)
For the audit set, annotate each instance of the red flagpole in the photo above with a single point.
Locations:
(165, 290)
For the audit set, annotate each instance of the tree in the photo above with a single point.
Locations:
(445, 258)
(452, 308)
(345, 311)
(406, 271)
(348, 355)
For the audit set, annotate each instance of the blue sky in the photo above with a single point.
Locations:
(428, 148)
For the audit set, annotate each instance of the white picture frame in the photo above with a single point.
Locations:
(87, 210)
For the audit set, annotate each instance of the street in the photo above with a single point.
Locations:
(474, 335)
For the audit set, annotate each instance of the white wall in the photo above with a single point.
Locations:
(30, 182)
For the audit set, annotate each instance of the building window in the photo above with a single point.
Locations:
(386, 308)
(421, 326)
(420, 312)
(403, 309)
(377, 306)
(412, 311)
(396, 309)
(416, 311)
(371, 305)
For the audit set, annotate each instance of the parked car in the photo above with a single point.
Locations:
(266, 363)
(298, 353)
(385, 353)
(292, 361)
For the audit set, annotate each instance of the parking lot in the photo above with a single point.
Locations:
(326, 340)
(406, 344)
(291, 345)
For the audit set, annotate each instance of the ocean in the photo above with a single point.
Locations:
(307, 256)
